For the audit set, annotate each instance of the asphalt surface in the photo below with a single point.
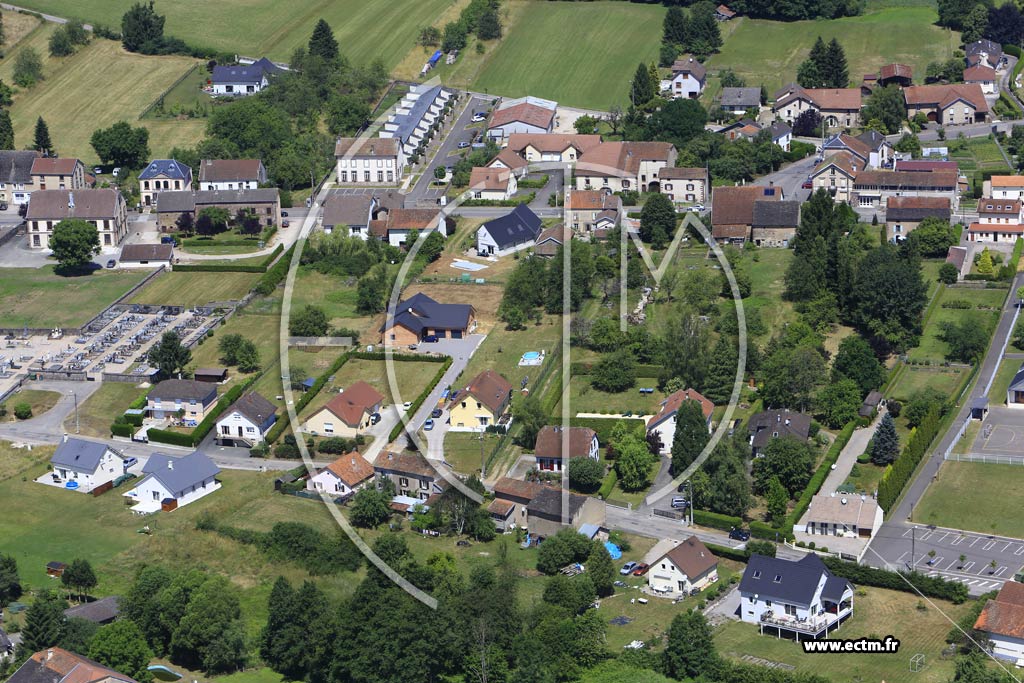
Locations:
(448, 153)
(891, 545)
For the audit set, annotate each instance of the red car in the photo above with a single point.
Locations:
(807, 184)
(641, 569)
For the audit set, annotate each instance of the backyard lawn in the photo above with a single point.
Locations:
(584, 398)
(1004, 375)
(502, 350)
(37, 297)
(769, 52)
(877, 613)
(195, 289)
(985, 303)
(462, 450)
(534, 58)
(995, 512)
(274, 29)
(68, 94)
(913, 379)
(96, 413)
(410, 376)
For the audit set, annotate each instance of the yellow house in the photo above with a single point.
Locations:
(348, 414)
(480, 404)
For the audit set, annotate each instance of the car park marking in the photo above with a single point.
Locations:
(908, 532)
(1008, 544)
(951, 565)
(988, 545)
(943, 537)
(1019, 551)
(978, 538)
(925, 537)
(959, 540)
(968, 565)
(999, 572)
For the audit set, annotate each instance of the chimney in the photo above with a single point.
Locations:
(170, 464)
(65, 438)
(49, 655)
(787, 421)
(843, 500)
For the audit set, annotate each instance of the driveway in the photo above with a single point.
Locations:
(727, 608)
(857, 444)
(460, 351)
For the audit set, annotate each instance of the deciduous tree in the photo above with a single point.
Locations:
(122, 647)
(74, 242)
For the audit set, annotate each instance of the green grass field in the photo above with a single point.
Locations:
(38, 400)
(769, 52)
(876, 613)
(411, 377)
(40, 298)
(274, 29)
(195, 289)
(96, 413)
(986, 302)
(583, 398)
(995, 512)
(536, 58)
(1004, 375)
(69, 96)
(462, 450)
(914, 378)
(975, 154)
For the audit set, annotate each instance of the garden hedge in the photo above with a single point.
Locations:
(400, 357)
(642, 371)
(930, 586)
(193, 439)
(397, 429)
(277, 430)
(122, 430)
(603, 426)
(275, 275)
(218, 268)
(608, 485)
(899, 472)
(728, 553)
(716, 520)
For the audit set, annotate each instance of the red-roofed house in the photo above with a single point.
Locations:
(982, 75)
(621, 166)
(343, 477)
(347, 414)
(52, 173)
(548, 449)
(492, 183)
(898, 74)
(990, 232)
(1002, 620)
(664, 423)
(523, 115)
(57, 665)
(839, 107)
(687, 566)
(947, 104)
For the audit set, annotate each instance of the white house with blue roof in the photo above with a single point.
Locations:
(794, 598)
(163, 174)
(169, 483)
(82, 465)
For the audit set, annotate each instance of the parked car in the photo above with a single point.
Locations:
(284, 214)
(285, 223)
(463, 543)
(479, 116)
(739, 534)
(807, 184)
(412, 347)
(3, 206)
(699, 208)
(436, 412)
(407, 405)
(130, 461)
(681, 487)
(111, 263)
(429, 424)
(463, 144)
(627, 568)
(167, 239)
(680, 503)
(641, 569)
(375, 418)
(97, 170)
(430, 338)
(116, 172)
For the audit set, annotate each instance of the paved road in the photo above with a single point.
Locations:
(790, 177)
(890, 547)
(643, 523)
(448, 153)
(47, 17)
(48, 427)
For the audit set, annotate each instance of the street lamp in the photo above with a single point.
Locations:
(75, 396)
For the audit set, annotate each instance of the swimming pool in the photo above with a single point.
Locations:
(613, 550)
(531, 355)
(531, 358)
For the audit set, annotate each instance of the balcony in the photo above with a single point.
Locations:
(814, 626)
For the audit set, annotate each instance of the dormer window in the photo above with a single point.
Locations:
(757, 574)
(778, 578)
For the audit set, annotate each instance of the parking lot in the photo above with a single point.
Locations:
(979, 551)
(1002, 433)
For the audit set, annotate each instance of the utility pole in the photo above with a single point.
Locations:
(483, 465)
(75, 396)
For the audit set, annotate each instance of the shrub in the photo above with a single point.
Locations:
(22, 411)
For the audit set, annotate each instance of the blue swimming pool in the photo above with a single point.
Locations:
(613, 550)
(531, 355)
